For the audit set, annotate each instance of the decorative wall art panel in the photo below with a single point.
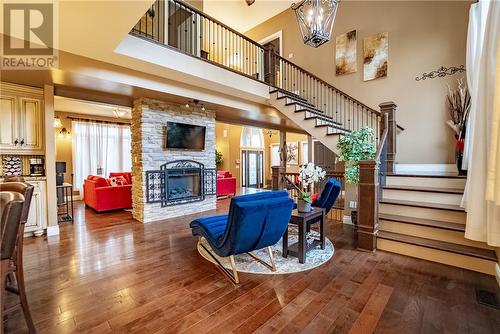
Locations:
(346, 53)
(375, 56)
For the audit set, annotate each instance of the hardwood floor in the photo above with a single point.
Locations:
(108, 273)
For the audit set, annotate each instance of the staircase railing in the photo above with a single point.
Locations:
(340, 106)
(176, 24)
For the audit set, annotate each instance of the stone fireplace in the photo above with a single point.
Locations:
(169, 183)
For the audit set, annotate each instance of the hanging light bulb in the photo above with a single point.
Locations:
(315, 19)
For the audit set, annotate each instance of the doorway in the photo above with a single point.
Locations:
(252, 168)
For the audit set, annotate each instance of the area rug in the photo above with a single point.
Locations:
(244, 263)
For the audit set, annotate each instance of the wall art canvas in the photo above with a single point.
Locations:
(292, 154)
(375, 56)
(346, 53)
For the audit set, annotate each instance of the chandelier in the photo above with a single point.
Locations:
(315, 18)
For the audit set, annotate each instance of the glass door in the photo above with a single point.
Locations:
(252, 164)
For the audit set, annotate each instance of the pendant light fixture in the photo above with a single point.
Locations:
(315, 19)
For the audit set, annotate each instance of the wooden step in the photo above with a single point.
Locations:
(436, 175)
(438, 206)
(480, 253)
(425, 189)
(424, 222)
(273, 90)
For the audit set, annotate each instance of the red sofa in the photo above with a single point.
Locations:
(100, 196)
(226, 183)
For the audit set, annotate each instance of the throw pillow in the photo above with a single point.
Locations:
(112, 181)
(121, 181)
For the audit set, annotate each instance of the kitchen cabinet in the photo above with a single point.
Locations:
(37, 216)
(22, 126)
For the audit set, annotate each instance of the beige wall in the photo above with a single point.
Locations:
(229, 146)
(64, 146)
(423, 36)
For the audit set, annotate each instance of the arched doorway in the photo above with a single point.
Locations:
(252, 157)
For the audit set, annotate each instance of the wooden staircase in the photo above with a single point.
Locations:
(312, 120)
(420, 216)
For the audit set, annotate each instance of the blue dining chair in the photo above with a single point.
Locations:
(253, 222)
(331, 191)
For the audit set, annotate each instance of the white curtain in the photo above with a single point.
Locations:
(482, 192)
(99, 149)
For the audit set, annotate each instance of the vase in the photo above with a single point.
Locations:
(459, 154)
(303, 206)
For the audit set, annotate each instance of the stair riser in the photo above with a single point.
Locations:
(454, 183)
(434, 255)
(421, 196)
(426, 213)
(456, 237)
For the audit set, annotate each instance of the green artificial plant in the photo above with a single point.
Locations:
(355, 146)
(218, 158)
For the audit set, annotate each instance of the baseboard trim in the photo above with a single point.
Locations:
(347, 220)
(497, 273)
(413, 168)
(52, 230)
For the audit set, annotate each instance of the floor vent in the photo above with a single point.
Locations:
(487, 298)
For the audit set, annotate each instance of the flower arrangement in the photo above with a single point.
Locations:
(309, 174)
(355, 146)
(458, 102)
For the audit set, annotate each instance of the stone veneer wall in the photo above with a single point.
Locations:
(149, 117)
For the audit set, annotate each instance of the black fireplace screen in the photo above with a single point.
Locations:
(180, 182)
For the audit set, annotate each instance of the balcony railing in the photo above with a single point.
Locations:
(178, 25)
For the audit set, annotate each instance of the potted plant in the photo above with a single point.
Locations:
(458, 102)
(354, 147)
(308, 174)
(218, 158)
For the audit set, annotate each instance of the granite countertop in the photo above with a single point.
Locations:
(29, 178)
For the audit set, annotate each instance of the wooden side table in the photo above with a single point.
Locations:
(302, 220)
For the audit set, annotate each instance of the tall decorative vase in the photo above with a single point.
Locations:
(303, 206)
(459, 154)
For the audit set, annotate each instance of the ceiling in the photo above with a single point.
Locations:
(75, 106)
(241, 17)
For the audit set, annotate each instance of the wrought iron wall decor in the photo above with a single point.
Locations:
(160, 190)
(441, 72)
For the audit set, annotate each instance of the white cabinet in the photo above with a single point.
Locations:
(22, 126)
(37, 216)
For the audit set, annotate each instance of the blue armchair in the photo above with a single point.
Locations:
(254, 221)
(328, 196)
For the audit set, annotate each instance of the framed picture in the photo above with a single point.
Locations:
(375, 56)
(346, 53)
(292, 154)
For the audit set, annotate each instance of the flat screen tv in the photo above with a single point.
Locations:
(185, 136)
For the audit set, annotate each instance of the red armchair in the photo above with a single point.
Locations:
(100, 196)
(226, 183)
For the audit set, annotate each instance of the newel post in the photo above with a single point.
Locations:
(269, 65)
(277, 176)
(368, 204)
(389, 109)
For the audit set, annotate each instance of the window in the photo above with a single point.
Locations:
(99, 149)
(252, 137)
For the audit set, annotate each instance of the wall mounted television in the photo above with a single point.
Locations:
(185, 136)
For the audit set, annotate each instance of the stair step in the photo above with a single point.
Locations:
(481, 253)
(430, 175)
(273, 90)
(301, 103)
(438, 206)
(425, 189)
(318, 115)
(293, 97)
(423, 222)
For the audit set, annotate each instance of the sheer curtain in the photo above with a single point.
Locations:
(100, 148)
(482, 191)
